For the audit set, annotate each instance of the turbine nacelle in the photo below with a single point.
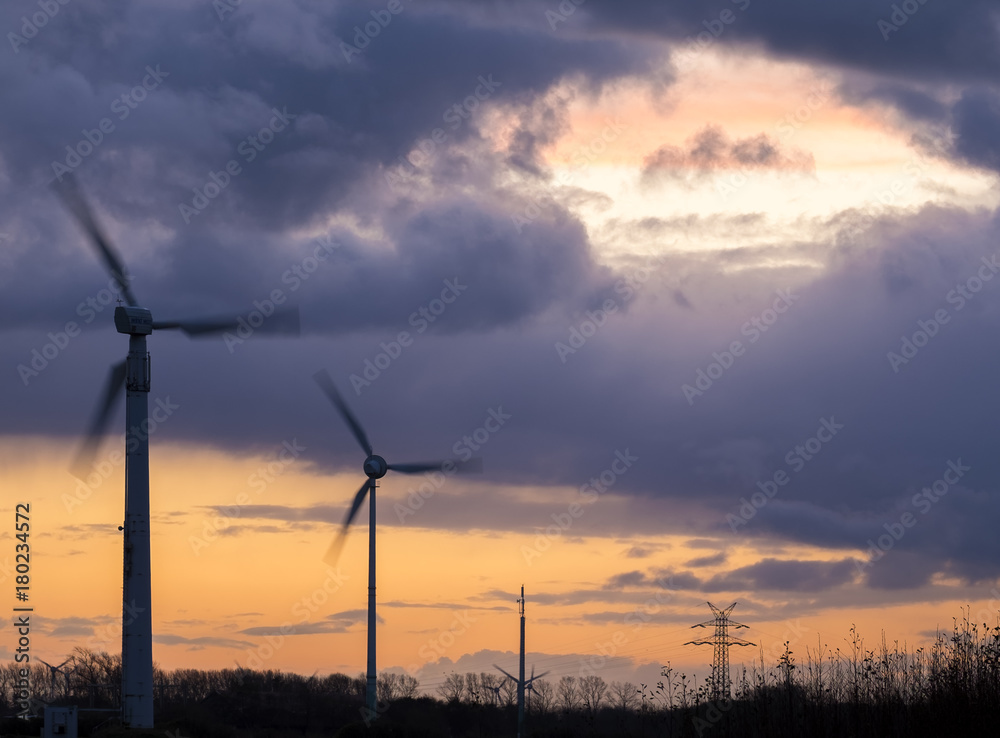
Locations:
(375, 467)
(133, 321)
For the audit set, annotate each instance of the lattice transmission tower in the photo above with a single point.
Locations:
(722, 641)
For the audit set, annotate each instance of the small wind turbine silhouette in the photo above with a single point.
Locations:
(53, 670)
(137, 323)
(375, 467)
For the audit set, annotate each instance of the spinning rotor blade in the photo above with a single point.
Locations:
(88, 450)
(325, 382)
(472, 466)
(70, 193)
(333, 553)
(533, 677)
(281, 322)
(509, 676)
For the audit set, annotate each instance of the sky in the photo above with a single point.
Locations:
(710, 288)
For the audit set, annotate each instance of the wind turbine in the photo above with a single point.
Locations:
(375, 467)
(58, 669)
(522, 684)
(496, 694)
(136, 322)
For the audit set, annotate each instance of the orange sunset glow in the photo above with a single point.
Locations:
(645, 309)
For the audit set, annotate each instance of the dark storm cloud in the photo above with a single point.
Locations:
(976, 125)
(934, 40)
(306, 137)
(772, 574)
(870, 289)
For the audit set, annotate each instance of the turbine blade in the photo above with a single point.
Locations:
(325, 382)
(281, 322)
(472, 466)
(533, 677)
(71, 196)
(509, 676)
(333, 552)
(88, 450)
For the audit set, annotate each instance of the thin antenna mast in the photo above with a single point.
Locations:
(520, 682)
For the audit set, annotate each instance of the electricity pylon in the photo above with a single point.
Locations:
(722, 641)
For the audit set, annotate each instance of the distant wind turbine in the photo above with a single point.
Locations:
(375, 467)
(53, 670)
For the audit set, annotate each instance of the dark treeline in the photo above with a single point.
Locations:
(951, 688)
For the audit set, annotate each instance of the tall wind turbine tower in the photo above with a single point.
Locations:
(136, 322)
